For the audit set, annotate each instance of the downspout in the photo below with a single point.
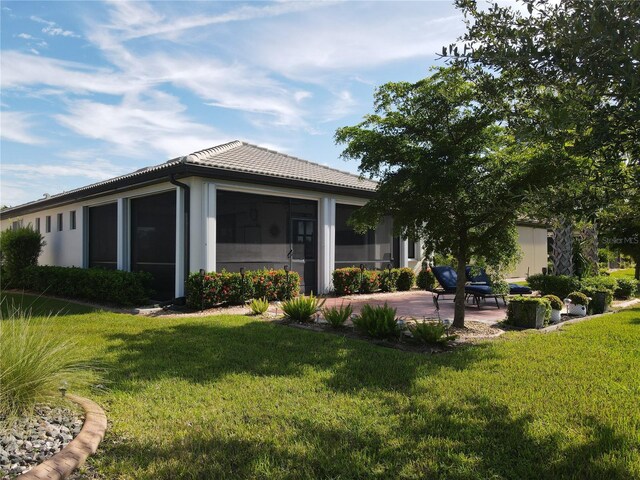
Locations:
(187, 210)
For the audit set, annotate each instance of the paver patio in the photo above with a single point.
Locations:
(419, 304)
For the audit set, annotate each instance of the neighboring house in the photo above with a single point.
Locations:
(231, 206)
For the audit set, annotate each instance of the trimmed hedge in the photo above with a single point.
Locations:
(94, 284)
(215, 288)
(347, 281)
(426, 279)
(19, 248)
(558, 285)
(389, 280)
(627, 288)
(406, 279)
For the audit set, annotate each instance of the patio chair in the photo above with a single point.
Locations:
(447, 278)
(483, 279)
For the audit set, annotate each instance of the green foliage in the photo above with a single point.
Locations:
(600, 283)
(558, 285)
(406, 279)
(500, 287)
(388, 280)
(302, 308)
(578, 298)
(448, 172)
(259, 306)
(627, 288)
(19, 249)
(426, 279)
(528, 312)
(378, 321)
(36, 361)
(336, 316)
(350, 280)
(430, 332)
(94, 284)
(216, 288)
(556, 303)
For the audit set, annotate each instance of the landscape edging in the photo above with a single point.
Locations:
(63, 463)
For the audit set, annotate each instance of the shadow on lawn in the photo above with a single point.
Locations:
(479, 439)
(204, 352)
(39, 306)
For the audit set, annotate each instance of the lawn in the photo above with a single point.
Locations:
(624, 273)
(236, 397)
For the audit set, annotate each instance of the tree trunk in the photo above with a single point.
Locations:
(563, 249)
(637, 259)
(590, 235)
(459, 302)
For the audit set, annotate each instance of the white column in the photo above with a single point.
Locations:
(122, 257)
(210, 228)
(326, 243)
(180, 243)
(404, 253)
(197, 241)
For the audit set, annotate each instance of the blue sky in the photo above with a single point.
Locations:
(91, 90)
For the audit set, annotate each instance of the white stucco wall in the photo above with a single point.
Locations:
(533, 243)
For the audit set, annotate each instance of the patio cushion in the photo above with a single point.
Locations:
(515, 289)
(481, 277)
(478, 290)
(446, 277)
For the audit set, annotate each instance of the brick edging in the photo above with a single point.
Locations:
(76, 452)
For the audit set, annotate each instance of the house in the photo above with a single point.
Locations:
(231, 206)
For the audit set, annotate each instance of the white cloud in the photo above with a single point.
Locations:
(141, 126)
(17, 127)
(19, 69)
(52, 28)
(26, 36)
(96, 170)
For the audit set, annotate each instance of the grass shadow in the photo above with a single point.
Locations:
(40, 306)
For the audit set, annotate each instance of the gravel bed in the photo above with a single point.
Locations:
(25, 442)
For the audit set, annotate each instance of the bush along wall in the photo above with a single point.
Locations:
(216, 288)
(558, 285)
(406, 279)
(94, 284)
(426, 279)
(350, 280)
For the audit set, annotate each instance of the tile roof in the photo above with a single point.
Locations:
(234, 156)
(245, 157)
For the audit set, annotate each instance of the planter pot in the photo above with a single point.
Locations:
(527, 315)
(600, 302)
(555, 316)
(577, 309)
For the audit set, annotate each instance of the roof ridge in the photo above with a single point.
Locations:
(225, 147)
(307, 161)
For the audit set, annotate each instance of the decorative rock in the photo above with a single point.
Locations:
(28, 441)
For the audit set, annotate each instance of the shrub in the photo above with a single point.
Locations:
(217, 288)
(389, 279)
(350, 280)
(578, 298)
(406, 279)
(426, 279)
(556, 303)
(627, 288)
(378, 321)
(336, 316)
(20, 248)
(600, 283)
(302, 308)
(500, 287)
(430, 332)
(558, 285)
(94, 284)
(36, 362)
(259, 306)
(528, 312)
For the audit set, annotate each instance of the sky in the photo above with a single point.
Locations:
(91, 90)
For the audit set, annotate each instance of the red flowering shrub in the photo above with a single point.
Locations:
(347, 281)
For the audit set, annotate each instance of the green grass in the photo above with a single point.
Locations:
(625, 273)
(235, 397)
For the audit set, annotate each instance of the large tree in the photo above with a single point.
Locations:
(448, 171)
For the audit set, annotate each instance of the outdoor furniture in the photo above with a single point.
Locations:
(483, 279)
(447, 278)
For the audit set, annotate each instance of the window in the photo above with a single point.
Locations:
(38, 225)
(72, 220)
(412, 248)
(47, 224)
(59, 222)
(16, 225)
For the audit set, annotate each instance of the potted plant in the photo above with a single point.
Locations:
(556, 307)
(578, 305)
(528, 312)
